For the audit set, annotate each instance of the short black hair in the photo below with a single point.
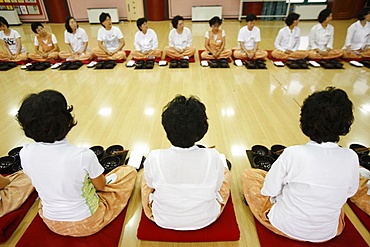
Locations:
(214, 20)
(176, 20)
(102, 17)
(326, 115)
(35, 25)
(68, 27)
(4, 21)
(251, 17)
(323, 15)
(45, 116)
(291, 18)
(363, 12)
(140, 22)
(185, 121)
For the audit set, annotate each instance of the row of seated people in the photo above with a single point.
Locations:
(111, 41)
(186, 187)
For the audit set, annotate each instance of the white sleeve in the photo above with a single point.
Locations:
(240, 36)
(155, 41)
(36, 42)
(66, 40)
(258, 35)
(85, 38)
(223, 33)
(119, 33)
(312, 38)
(147, 172)
(100, 34)
(92, 165)
(206, 35)
(278, 40)
(54, 39)
(171, 42)
(350, 33)
(137, 42)
(331, 40)
(274, 180)
(189, 38)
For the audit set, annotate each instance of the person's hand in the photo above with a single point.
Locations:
(288, 51)
(250, 55)
(323, 53)
(348, 51)
(45, 55)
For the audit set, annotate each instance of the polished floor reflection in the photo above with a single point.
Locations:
(245, 107)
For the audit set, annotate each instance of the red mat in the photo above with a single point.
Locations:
(168, 59)
(349, 237)
(242, 59)
(200, 57)
(225, 228)
(361, 215)
(10, 221)
(38, 234)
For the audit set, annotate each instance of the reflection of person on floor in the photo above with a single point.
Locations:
(321, 37)
(184, 187)
(179, 40)
(215, 41)
(11, 43)
(362, 197)
(146, 42)
(288, 40)
(75, 199)
(110, 40)
(48, 43)
(358, 37)
(14, 190)
(76, 40)
(302, 196)
(249, 38)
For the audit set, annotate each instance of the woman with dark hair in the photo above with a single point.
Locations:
(76, 40)
(48, 43)
(179, 40)
(288, 40)
(321, 38)
(184, 187)
(215, 41)
(358, 37)
(110, 40)
(146, 42)
(11, 42)
(75, 199)
(249, 38)
(302, 195)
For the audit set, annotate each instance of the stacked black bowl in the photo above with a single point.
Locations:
(297, 64)
(38, 66)
(7, 65)
(331, 64)
(6, 164)
(17, 160)
(149, 64)
(261, 158)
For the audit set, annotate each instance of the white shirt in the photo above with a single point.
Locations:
(146, 42)
(249, 38)
(11, 41)
(186, 183)
(321, 38)
(59, 171)
(76, 40)
(288, 39)
(53, 40)
(110, 38)
(180, 41)
(358, 36)
(308, 185)
(214, 35)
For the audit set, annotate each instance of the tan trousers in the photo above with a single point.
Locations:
(294, 55)
(5, 57)
(88, 55)
(240, 54)
(139, 55)
(15, 193)
(361, 199)
(113, 200)
(333, 53)
(37, 57)
(361, 54)
(146, 190)
(118, 55)
(226, 53)
(172, 53)
(260, 205)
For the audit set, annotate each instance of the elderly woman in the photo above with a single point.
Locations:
(48, 43)
(321, 38)
(180, 40)
(110, 40)
(146, 42)
(76, 40)
(11, 42)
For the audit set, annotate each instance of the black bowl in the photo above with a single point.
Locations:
(184, 64)
(303, 65)
(338, 65)
(214, 64)
(251, 65)
(149, 65)
(355, 146)
(259, 150)
(301, 61)
(224, 65)
(15, 152)
(365, 161)
(6, 164)
(261, 65)
(150, 62)
(173, 63)
(263, 162)
(110, 152)
(109, 163)
(223, 60)
(12, 64)
(99, 151)
(17, 166)
(276, 150)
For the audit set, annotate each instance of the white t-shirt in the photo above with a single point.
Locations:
(180, 41)
(214, 35)
(76, 40)
(186, 183)
(358, 36)
(146, 42)
(110, 38)
(308, 185)
(60, 173)
(53, 40)
(288, 39)
(321, 38)
(11, 41)
(249, 38)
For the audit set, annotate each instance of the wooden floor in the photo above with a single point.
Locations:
(123, 106)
